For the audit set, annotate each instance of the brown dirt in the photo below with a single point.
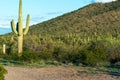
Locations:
(54, 73)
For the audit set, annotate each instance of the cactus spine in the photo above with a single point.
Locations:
(19, 28)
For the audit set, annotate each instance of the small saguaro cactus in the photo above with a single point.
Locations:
(19, 28)
(4, 49)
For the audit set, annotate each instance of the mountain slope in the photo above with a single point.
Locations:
(98, 17)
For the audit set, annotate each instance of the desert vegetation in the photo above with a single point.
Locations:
(3, 71)
(85, 36)
(89, 36)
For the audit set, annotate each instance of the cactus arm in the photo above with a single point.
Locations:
(13, 27)
(27, 25)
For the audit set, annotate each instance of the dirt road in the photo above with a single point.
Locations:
(53, 73)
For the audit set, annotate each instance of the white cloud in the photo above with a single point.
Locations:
(104, 0)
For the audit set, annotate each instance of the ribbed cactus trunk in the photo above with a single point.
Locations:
(20, 44)
(19, 29)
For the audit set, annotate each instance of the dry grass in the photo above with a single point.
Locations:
(55, 73)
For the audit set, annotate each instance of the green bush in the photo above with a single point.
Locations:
(45, 55)
(114, 54)
(60, 54)
(2, 55)
(89, 58)
(63, 57)
(67, 55)
(94, 54)
(3, 71)
(29, 56)
(75, 57)
(13, 56)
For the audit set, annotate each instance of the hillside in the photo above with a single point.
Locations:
(100, 18)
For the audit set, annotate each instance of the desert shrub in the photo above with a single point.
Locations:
(67, 55)
(45, 55)
(94, 54)
(2, 55)
(90, 58)
(99, 49)
(114, 54)
(3, 71)
(63, 57)
(14, 56)
(64, 54)
(11, 57)
(59, 53)
(29, 56)
(74, 56)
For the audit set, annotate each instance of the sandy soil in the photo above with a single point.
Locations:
(54, 73)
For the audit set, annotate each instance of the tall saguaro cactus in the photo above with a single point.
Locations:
(18, 30)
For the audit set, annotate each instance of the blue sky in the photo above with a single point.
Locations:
(39, 10)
